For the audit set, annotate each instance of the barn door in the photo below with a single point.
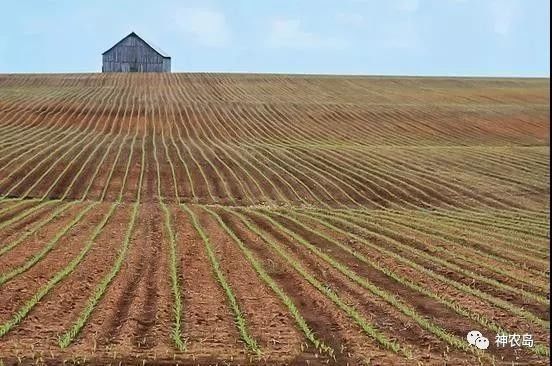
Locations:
(134, 65)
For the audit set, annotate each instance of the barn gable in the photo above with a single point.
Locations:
(134, 54)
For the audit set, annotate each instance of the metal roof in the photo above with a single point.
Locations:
(151, 45)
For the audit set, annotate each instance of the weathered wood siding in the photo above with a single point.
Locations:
(134, 55)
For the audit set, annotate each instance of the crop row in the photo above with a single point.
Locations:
(298, 229)
(250, 154)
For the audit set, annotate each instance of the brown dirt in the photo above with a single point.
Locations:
(538, 309)
(384, 317)
(272, 328)
(12, 231)
(208, 325)
(13, 212)
(501, 316)
(22, 287)
(317, 142)
(33, 244)
(135, 309)
(444, 317)
(327, 322)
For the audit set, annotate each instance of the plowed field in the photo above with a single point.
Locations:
(272, 219)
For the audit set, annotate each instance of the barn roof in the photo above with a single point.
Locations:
(151, 45)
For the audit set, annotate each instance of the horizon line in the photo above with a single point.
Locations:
(464, 76)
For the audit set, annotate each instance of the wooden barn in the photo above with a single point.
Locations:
(133, 54)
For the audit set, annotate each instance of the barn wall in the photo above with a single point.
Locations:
(166, 64)
(134, 55)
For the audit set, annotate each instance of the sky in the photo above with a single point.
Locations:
(369, 37)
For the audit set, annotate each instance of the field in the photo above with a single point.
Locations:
(272, 219)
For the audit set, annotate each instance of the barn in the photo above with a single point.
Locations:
(133, 54)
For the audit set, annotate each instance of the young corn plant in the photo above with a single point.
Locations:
(6, 276)
(176, 333)
(365, 325)
(24, 310)
(388, 297)
(397, 238)
(33, 230)
(26, 212)
(461, 286)
(68, 337)
(233, 302)
(288, 302)
(479, 318)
